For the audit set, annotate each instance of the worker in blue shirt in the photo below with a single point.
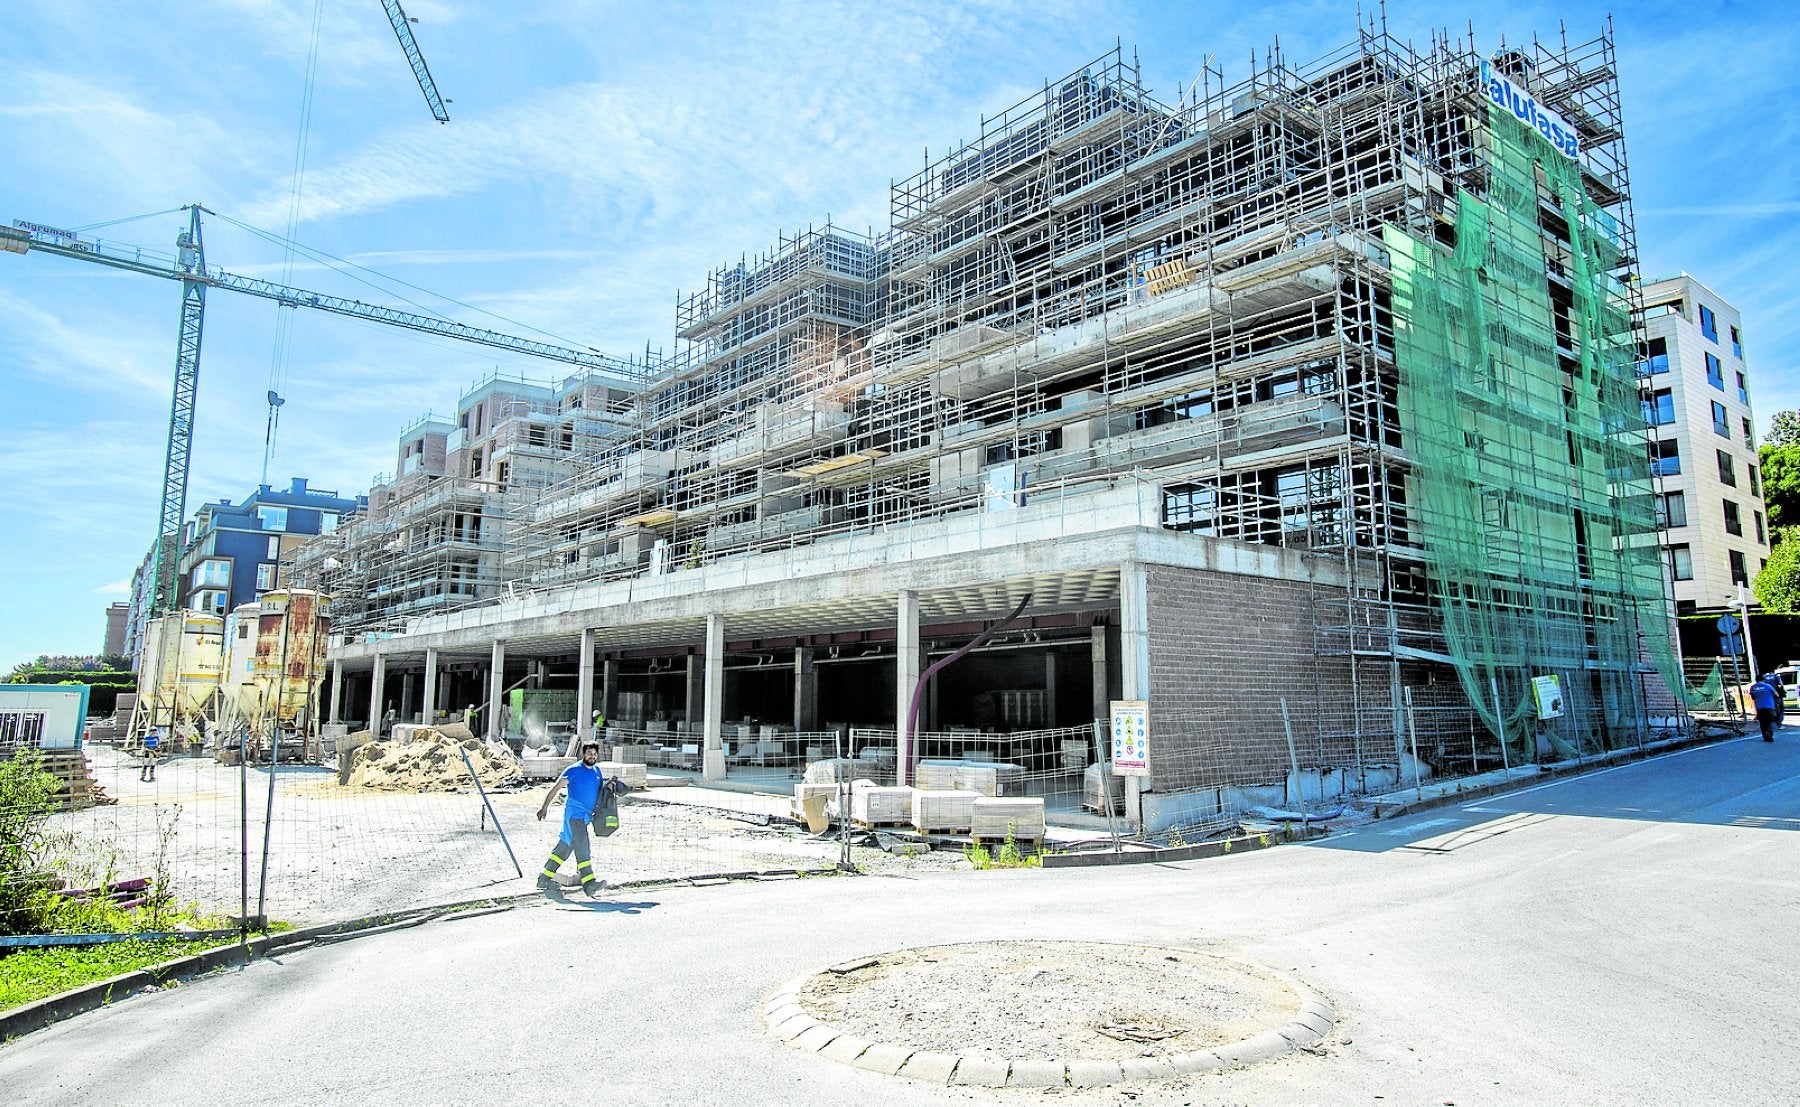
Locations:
(152, 743)
(583, 782)
(1763, 694)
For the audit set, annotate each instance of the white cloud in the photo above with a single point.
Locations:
(116, 588)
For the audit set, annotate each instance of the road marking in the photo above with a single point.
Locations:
(1612, 769)
(1415, 827)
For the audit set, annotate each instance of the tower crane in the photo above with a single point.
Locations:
(403, 31)
(188, 265)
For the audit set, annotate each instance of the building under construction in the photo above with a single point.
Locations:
(1301, 409)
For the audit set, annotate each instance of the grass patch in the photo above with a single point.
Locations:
(32, 974)
(1008, 856)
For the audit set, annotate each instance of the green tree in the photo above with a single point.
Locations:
(1784, 429)
(27, 799)
(1777, 586)
(1781, 482)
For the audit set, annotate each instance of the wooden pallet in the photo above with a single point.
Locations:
(76, 786)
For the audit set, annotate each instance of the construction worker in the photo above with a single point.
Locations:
(584, 782)
(152, 742)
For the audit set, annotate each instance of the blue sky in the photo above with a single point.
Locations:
(602, 156)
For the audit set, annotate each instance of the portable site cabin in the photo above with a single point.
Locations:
(42, 716)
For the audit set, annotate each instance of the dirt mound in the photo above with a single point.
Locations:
(431, 762)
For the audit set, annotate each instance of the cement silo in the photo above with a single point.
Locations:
(292, 631)
(178, 675)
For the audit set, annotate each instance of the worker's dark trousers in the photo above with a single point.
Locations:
(574, 839)
(1765, 718)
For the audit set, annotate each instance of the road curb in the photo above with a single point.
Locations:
(786, 1021)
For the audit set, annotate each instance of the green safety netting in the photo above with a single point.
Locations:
(1709, 692)
(1531, 493)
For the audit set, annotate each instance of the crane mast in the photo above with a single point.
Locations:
(188, 266)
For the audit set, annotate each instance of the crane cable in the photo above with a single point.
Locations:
(278, 358)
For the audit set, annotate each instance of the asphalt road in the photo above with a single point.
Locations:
(1624, 937)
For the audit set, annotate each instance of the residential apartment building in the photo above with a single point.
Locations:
(1696, 394)
(118, 618)
(234, 552)
(1317, 383)
(432, 537)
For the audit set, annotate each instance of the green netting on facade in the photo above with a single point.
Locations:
(1530, 490)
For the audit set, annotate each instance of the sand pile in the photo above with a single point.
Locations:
(431, 762)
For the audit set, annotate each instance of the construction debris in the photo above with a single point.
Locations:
(432, 761)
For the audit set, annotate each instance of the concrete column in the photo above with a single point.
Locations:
(337, 692)
(539, 669)
(429, 705)
(609, 687)
(1097, 644)
(406, 695)
(906, 678)
(1050, 688)
(584, 689)
(496, 689)
(1134, 663)
(715, 697)
(377, 680)
(806, 690)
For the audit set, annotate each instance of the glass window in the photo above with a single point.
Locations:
(1743, 389)
(1659, 408)
(212, 574)
(1737, 344)
(1709, 325)
(1727, 469)
(1762, 537)
(1671, 509)
(1681, 562)
(328, 520)
(1721, 421)
(265, 576)
(1665, 458)
(1739, 573)
(1715, 372)
(274, 548)
(1754, 490)
(1749, 432)
(273, 518)
(1656, 358)
(1734, 521)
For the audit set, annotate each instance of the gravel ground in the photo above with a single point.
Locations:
(343, 852)
(1051, 1000)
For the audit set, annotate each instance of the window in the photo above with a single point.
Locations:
(1743, 389)
(274, 548)
(1739, 573)
(1749, 433)
(273, 518)
(1656, 358)
(328, 520)
(265, 576)
(1709, 325)
(1727, 470)
(1754, 490)
(1734, 521)
(1665, 458)
(212, 574)
(1671, 510)
(1659, 408)
(1681, 562)
(1715, 372)
(1737, 347)
(1762, 538)
(1721, 421)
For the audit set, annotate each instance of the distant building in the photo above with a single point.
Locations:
(1696, 394)
(118, 616)
(233, 553)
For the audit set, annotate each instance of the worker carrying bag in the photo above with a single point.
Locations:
(606, 812)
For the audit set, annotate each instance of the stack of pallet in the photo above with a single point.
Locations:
(1018, 818)
(77, 787)
(1097, 784)
(872, 805)
(943, 811)
(990, 778)
(936, 776)
(634, 773)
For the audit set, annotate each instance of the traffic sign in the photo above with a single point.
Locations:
(1730, 645)
(1729, 623)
